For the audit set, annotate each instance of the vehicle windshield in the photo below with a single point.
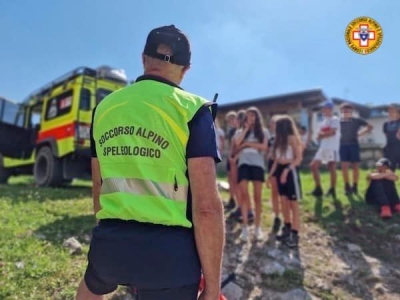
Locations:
(9, 111)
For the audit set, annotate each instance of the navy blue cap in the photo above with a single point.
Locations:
(173, 38)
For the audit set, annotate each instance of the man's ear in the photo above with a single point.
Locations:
(184, 70)
(143, 58)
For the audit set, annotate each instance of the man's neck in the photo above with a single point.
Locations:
(160, 74)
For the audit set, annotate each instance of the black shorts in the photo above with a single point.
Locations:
(143, 256)
(393, 154)
(188, 292)
(292, 188)
(251, 173)
(350, 153)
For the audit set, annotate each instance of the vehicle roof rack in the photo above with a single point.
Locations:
(98, 73)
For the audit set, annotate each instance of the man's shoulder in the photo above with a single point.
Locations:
(190, 96)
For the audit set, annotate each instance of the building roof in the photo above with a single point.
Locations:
(307, 97)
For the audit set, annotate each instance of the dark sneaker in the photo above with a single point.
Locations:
(331, 192)
(277, 225)
(285, 235)
(236, 214)
(230, 205)
(293, 242)
(355, 189)
(317, 192)
(250, 218)
(348, 190)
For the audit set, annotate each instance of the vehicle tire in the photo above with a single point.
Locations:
(4, 174)
(47, 169)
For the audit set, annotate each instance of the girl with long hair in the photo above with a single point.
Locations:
(288, 154)
(233, 163)
(271, 181)
(251, 141)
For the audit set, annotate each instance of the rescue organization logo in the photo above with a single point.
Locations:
(364, 35)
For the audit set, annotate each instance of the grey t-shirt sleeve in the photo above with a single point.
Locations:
(362, 122)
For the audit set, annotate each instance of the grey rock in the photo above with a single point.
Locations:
(223, 185)
(87, 238)
(273, 268)
(397, 237)
(40, 236)
(321, 284)
(274, 253)
(20, 265)
(354, 248)
(233, 292)
(380, 289)
(73, 245)
(296, 294)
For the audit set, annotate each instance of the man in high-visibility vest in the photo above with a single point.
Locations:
(154, 184)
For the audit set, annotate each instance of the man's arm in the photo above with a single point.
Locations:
(96, 174)
(207, 209)
(376, 176)
(367, 127)
(208, 221)
(389, 175)
(96, 181)
(327, 134)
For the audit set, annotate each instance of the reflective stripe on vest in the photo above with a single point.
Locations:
(145, 187)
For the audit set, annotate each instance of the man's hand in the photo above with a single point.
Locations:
(398, 134)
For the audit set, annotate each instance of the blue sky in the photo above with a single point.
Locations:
(241, 49)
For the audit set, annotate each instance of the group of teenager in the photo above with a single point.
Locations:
(254, 151)
(339, 142)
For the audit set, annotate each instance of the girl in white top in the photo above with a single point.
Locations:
(288, 152)
(252, 142)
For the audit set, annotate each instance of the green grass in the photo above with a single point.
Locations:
(35, 222)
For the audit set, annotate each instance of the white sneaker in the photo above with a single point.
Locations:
(258, 234)
(245, 234)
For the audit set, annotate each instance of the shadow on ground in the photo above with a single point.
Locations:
(67, 226)
(25, 192)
